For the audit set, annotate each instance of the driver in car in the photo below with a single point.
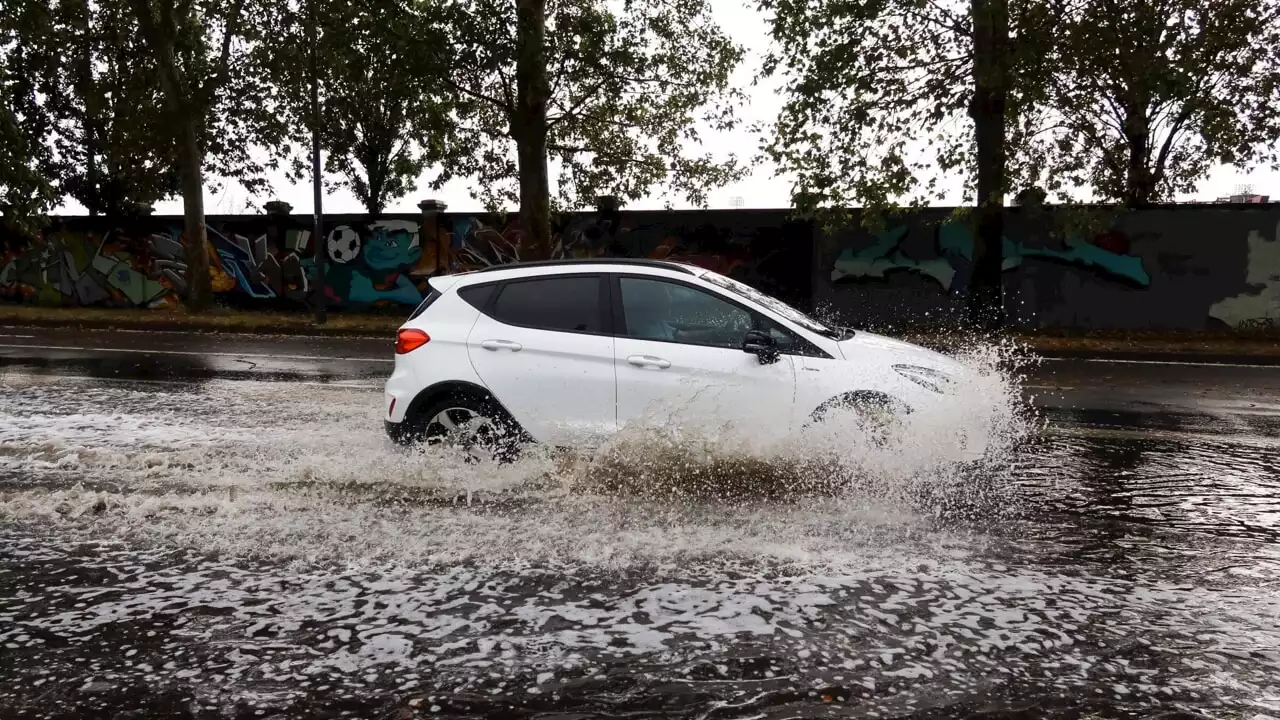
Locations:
(648, 308)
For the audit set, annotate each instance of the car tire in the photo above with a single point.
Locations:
(479, 427)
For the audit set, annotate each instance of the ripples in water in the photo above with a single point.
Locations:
(217, 564)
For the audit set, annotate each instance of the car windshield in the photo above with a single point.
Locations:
(774, 304)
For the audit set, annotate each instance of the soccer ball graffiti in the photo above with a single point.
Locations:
(344, 244)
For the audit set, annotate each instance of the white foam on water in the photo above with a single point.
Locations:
(933, 627)
(673, 543)
(306, 473)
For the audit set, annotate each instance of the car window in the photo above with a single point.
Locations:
(774, 304)
(658, 310)
(568, 304)
(426, 303)
(477, 295)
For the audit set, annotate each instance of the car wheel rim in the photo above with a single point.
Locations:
(465, 429)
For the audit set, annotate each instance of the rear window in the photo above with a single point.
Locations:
(431, 297)
(477, 296)
(564, 303)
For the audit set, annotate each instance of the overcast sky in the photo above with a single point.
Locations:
(761, 190)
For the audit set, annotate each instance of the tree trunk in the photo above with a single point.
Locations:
(530, 129)
(95, 194)
(1139, 189)
(189, 117)
(195, 238)
(991, 38)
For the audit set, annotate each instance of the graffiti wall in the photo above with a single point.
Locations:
(1186, 267)
(269, 262)
(1190, 267)
(763, 248)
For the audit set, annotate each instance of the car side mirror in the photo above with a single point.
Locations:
(762, 345)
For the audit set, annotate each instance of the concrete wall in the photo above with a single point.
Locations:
(1190, 267)
(268, 262)
(1186, 267)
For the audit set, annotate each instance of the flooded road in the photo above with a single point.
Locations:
(185, 538)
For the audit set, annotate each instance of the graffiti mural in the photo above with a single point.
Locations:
(1175, 267)
(382, 263)
(766, 250)
(114, 269)
(1260, 303)
(1105, 254)
(1186, 267)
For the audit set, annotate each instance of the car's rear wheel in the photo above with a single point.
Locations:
(477, 427)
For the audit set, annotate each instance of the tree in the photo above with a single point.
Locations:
(990, 20)
(1147, 96)
(209, 63)
(26, 125)
(385, 119)
(885, 100)
(108, 109)
(613, 95)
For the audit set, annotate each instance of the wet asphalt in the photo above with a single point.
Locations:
(183, 534)
(1078, 384)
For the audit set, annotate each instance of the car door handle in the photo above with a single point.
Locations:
(496, 345)
(649, 361)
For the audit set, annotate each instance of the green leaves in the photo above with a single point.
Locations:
(1131, 100)
(26, 123)
(1147, 97)
(112, 150)
(385, 118)
(876, 95)
(631, 86)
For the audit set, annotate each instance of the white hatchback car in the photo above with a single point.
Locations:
(569, 352)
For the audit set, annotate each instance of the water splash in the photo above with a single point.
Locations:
(265, 469)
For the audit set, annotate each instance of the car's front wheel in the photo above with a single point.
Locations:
(477, 427)
(876, 415)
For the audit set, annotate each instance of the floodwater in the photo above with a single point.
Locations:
(241, 548)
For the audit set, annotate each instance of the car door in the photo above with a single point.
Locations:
(543, 347)
(679, 359)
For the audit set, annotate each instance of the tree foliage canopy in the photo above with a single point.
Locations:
(877, 97)
(26, 126)
(111, 149)
(222, 79)
(1147, 96)
(630, 85)
(1127, 100)
(385, 119)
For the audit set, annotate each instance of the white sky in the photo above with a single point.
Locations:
(762, 189)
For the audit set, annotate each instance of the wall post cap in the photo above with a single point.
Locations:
(432, 206)
(278, 207)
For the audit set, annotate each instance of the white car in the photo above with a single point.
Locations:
(568, 352)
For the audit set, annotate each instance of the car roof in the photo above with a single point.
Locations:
(588, 262)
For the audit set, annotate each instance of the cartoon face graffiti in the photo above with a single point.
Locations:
(387, 253)
(391, 248)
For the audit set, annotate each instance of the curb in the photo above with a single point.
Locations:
(195, 328)
(1168, 358)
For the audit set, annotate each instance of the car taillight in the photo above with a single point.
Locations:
(410, 340)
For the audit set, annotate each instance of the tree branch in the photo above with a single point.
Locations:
(161, 44)
(1174, 130)
(475, 95)
(582, 101)
(229, 33)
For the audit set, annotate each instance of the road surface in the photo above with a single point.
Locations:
(214, 527)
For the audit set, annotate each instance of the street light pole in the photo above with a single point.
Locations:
(317, 232)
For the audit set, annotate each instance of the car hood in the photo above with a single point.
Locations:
(897, 351)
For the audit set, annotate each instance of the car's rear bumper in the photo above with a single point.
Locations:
(399, 391)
